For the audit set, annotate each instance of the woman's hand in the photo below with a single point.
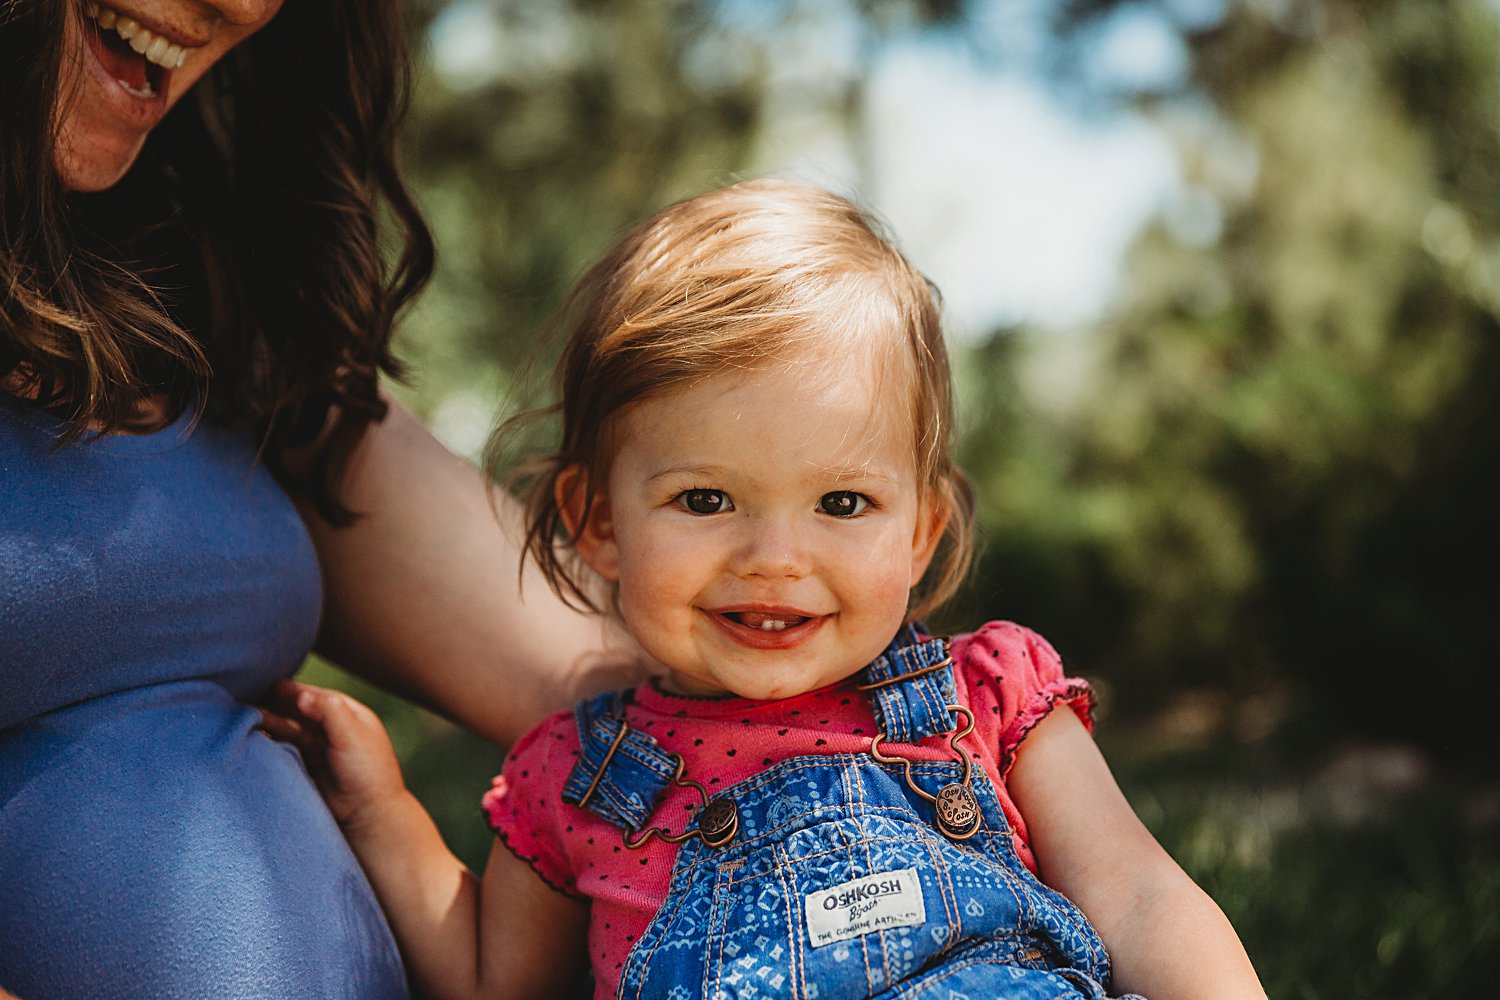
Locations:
(343, 744)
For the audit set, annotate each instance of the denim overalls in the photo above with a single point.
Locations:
(832, 878)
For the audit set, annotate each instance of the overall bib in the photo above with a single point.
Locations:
(832, 876)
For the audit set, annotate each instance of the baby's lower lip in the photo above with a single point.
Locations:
(766, 621)
(767, 631)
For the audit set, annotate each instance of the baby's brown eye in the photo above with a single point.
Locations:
(843, 503)
(705, 501)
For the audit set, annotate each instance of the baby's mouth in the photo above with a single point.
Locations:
(766, 622)
(138, 58)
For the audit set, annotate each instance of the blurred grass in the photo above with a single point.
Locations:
(1349, 870)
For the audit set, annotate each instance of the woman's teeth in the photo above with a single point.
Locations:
(153, 47)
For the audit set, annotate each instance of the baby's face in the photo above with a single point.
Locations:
(764, 530)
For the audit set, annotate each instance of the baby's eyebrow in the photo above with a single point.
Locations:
(844, 473)
(709, 472)
(833, 473)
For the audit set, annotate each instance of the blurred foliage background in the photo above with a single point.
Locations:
(1253, 496)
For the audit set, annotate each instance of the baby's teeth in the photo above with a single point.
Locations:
(140, 41)
(172, 58)
(156, 48)
(125, 28)
(772, 625)
(107, 18)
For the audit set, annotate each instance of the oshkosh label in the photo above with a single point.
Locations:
(869, 904)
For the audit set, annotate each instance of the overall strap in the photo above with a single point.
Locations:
(620, 770)
(912, 686)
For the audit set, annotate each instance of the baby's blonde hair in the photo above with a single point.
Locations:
(760, 273)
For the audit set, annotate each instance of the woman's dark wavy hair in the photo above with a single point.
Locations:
(255, 283)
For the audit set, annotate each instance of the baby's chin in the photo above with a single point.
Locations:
(674, 682)
(765, 688)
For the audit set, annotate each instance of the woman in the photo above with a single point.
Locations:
(193, 455)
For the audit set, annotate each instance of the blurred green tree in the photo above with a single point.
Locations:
(569, 122)
(1283, 464)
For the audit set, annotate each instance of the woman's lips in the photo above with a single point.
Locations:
(767, 628)
(154, 46)
(136, 59)
(136, 90)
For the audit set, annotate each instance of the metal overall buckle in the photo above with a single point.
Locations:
(957, 806)
(718, 819)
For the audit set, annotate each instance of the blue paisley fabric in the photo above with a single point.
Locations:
(839, 883)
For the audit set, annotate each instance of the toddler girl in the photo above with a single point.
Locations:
(816, 798)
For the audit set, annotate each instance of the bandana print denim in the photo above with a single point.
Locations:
(839, 884)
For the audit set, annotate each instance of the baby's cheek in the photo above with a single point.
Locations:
(888, 575)
(659, 617)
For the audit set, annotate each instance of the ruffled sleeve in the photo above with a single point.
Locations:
(524, 805)
(1012, 679)
(1016, 678)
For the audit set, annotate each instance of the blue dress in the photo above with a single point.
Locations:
(152, 842)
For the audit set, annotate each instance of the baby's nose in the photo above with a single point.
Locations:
(771, 548)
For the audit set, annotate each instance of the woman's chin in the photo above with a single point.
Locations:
(90, 167)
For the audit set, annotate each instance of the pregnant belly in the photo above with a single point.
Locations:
(152, 844)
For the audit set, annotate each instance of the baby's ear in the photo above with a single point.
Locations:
(586, 516)
(932, 520)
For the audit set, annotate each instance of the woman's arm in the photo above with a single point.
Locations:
(1166, 938)
(421, 592)
(509, 937)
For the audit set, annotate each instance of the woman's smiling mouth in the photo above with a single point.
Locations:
(138, 59)
(141, 40)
